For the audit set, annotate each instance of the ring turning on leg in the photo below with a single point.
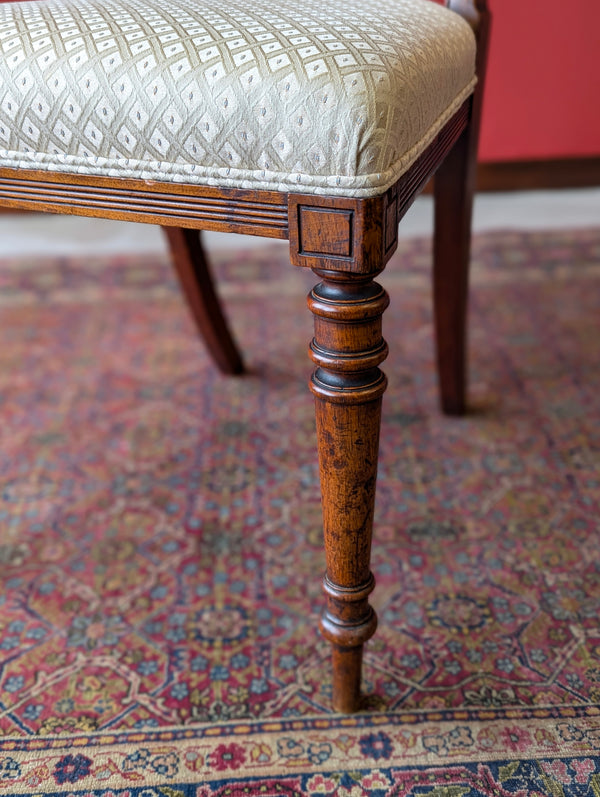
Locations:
(347, 349)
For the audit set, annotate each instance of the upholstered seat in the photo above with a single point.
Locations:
(319, 96)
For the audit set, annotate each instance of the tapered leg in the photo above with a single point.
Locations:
(454, 190)
(348, 385)
(452, 243)
(196, 282)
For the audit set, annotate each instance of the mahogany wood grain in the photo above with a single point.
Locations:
(193, 270)
(454, 188)
(347, 349)
(168, 204)
(337, 233)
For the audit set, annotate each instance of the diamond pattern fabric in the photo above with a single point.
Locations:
(318, 96)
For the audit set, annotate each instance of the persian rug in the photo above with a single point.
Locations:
(161, 552)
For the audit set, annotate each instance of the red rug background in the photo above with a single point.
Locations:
(161, 548)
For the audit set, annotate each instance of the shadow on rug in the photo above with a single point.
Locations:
(160, 543)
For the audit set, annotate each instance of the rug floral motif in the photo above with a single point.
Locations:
(160, 543)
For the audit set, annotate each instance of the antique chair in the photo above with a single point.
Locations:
(314, 121)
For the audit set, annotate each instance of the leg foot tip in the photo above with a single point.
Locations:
(453, 406)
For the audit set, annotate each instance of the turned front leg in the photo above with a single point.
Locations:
(348, 385)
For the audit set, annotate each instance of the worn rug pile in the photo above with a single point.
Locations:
(161, 552)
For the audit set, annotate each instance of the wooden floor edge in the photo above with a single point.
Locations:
(539, 174)
(536, 175)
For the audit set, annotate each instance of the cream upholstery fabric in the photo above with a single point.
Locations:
(335, 97)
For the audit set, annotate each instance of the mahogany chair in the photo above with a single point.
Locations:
(317, 122)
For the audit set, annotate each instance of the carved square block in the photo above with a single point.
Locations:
(337, 233)
(325, 231)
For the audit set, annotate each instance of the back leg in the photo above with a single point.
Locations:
(453, 196)
(452, 243)
(196, 282)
